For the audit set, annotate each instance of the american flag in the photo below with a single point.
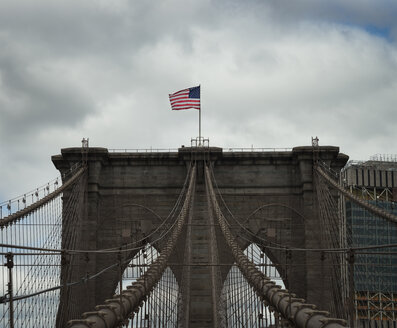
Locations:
(185, 99)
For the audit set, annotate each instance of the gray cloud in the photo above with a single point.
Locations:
(368, 14)
(33, 97)
(273, 74)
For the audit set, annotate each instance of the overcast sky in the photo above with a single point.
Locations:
(273, 73)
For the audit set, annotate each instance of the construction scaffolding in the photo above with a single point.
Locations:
(374, 274)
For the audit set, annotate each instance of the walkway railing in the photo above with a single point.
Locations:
(144, 150)
(253, 150)
(175, 150)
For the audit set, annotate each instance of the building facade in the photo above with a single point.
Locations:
(375, 270)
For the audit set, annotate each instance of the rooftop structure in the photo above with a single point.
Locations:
(375, 278)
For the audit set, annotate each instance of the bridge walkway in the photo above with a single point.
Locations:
(201, 282)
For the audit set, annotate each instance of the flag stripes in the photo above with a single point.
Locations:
(185, 99)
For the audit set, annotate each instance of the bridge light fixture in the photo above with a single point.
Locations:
(315, 141)
(84, 142)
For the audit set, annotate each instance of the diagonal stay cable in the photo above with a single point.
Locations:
(255, 236)
(31, 208)
(117, 249)
(272, 245)
(70, 284)
(299, 313)
(373, 209)
(163, 223)
(115, 311)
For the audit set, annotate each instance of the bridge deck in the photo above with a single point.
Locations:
(200, 278)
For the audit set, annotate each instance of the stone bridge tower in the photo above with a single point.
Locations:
(270, 193)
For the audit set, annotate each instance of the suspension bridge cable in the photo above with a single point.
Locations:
(116, 249)
(283, 247)
(290, 307)
(108, 250)
(238, 222)
(43, 187)
(116, 310)
(70, 284)
(41, 272)
(72, 212)
(170, 215)
(373, 209)
(21, 213)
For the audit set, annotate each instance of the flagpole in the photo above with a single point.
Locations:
(200, 118)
